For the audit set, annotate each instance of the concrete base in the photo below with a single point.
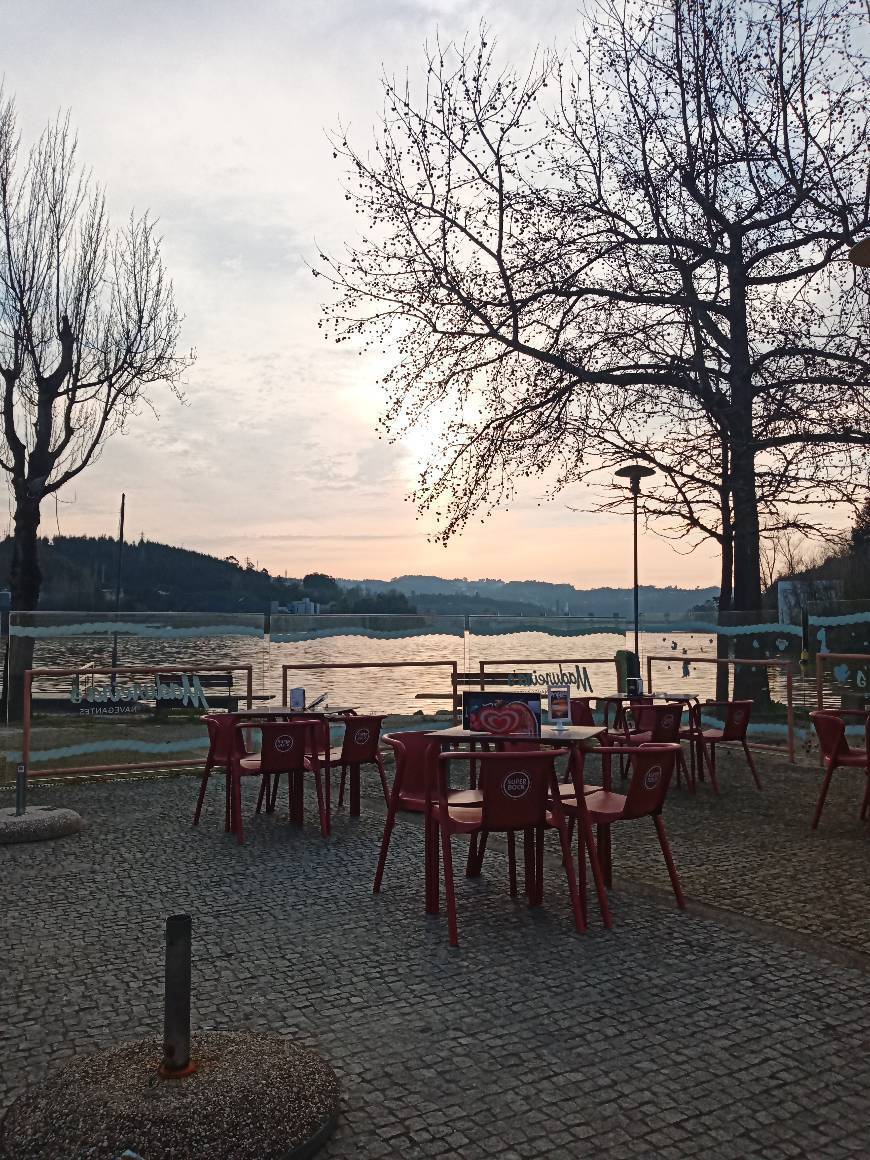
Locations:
(37, 824)
(252, 1096)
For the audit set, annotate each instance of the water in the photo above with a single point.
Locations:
(418, 685)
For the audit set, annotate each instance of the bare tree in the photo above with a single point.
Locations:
(650, 264)
(87, 323)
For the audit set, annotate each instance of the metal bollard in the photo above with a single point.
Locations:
(21, 790)
(176, 1003)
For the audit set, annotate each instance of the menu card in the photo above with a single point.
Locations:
(559, 705)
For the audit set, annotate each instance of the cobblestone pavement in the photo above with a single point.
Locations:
(673, 1035)
(755, 854)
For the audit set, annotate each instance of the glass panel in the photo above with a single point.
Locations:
(82, 716)
(380, 663)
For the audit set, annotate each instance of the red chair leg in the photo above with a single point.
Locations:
(379, 761)
(669, 862)
(749, 759)
(208, 768)
(588, 841)
(865, 805)
(449, 892)
(265, 787)
(710, 760)
(341, 786)
(577, 904)
(238, 825)
(476, 850)
(432, 836)
(354, 791)
(529, 865)
(321, 805)
(512, 862)
(385, 846)
(824, 793)
(539, 866)
(228, 808)
(273, 793)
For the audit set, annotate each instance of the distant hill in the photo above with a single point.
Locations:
(79, 574)
(536, 597)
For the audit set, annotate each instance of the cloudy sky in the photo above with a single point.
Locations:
(212, 114)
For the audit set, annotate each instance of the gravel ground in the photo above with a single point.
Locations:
(708, 1033)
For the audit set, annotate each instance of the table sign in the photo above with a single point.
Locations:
(297, 699)
(559, 705)
(507, 713)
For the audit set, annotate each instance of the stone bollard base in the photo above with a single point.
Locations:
(37, 824)
(252, 1095)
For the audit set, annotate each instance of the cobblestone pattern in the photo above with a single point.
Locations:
(754, 853)
(670, 1036)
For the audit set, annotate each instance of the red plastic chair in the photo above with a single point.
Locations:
(660, 725)
(416, 760)
(518, 791)
(287, 747)
(734, 728)
(581, 711)
(652, 770)
(224, 743)
(831, 730)
(359, 746)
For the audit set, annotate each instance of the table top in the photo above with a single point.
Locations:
(549, 734)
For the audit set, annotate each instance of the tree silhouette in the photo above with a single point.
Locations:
(648, 265)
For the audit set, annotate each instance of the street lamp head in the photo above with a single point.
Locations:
(634, 473)
(860, 255)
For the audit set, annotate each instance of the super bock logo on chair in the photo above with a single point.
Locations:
(652, 777)
(361, 736)
(516, 785)
(284, 743)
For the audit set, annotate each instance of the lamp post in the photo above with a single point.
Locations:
(859, 255)
(634, 473)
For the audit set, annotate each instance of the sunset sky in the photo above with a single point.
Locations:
(212, 114)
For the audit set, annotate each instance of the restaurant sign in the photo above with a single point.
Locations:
(115, 698)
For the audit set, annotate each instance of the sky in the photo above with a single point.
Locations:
(213, 114)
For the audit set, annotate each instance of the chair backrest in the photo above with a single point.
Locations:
(285, 745)
(362, 736)
(662, 722)
(831, 732)
(415, 753)
(516, 787)
(581, 711)
(652, 767)
(736, 720)
(223, 740)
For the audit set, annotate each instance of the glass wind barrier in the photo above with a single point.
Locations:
(109, 691)
(574, 650)
(839, 634)
(400, 665)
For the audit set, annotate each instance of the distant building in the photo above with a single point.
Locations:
(304, 607)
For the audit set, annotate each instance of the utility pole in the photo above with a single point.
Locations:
(118, 585)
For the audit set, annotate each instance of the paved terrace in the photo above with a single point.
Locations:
(739, 1029)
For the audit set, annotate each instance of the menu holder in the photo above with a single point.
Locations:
(297, 699)
(559, 705)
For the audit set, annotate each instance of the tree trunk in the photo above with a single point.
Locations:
(25, 583)
(723, 642)
(748, 683)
